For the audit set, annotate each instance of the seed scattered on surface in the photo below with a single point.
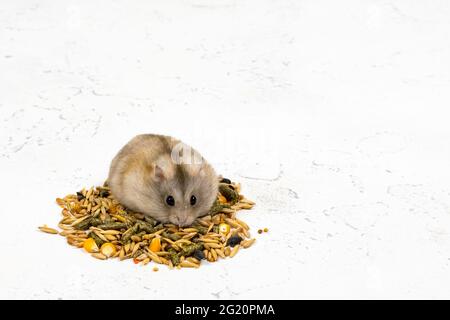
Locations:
(266, 229)
(214, 255)
(234, 251)
(212, 245)
(48, 230)
(122, 254)
(220, 253)
(189, 264)
(110, 237)
(155, 269)
(247, 243)
(60, 202)
(99, 256)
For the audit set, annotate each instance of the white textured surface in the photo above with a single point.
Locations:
(333, 114)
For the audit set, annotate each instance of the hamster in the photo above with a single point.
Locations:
(164, 178)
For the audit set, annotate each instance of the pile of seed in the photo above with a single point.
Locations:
(95, 221)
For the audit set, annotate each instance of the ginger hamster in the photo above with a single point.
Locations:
(164, 178)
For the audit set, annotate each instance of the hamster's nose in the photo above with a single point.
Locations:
(183, 222)
(179, 221)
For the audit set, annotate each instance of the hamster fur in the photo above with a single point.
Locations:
(148, 170)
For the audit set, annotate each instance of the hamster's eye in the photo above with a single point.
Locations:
(170, 201)
(193, 200)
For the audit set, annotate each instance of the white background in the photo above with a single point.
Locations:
(333, 115)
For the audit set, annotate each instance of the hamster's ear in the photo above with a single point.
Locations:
(162, 169)
(158, 173)
(206, 171)
(196, 169)
(202, 172)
